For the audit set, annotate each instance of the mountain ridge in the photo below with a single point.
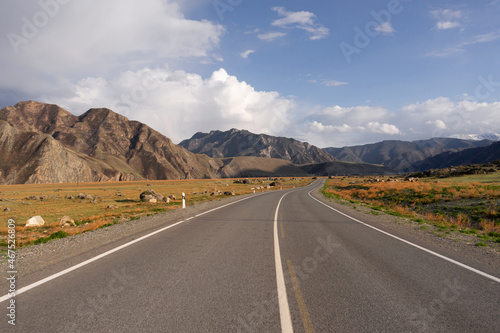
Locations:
(100, 140)
(402, 156)
(235, 142)
(479, 155)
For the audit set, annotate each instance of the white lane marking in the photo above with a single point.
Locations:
(102, 255)
(491, 277)
(285, 317)
(231, 203)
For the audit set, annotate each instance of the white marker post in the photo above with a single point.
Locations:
(183, 200)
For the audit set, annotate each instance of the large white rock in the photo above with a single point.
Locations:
(35, 221)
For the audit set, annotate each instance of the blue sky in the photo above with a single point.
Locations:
(332, 73)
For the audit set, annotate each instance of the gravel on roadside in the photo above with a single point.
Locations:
(454, 242)
(37, 257)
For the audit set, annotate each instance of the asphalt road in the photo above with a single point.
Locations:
(221, 272)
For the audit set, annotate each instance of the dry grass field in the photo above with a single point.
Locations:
(94, 205)
(465, 204)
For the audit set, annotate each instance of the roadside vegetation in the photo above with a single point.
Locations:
(443, 205)
(97, 205)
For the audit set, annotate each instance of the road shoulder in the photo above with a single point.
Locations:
(65, 252)
(460, 248)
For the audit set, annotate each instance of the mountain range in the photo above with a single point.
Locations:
(479, 155)
(43, 143)
(394, 155)
(404, 156)
(236, 142)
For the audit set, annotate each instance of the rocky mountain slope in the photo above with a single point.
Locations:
(403, 156)
(43, 143)
(480, 155)
(243, 143)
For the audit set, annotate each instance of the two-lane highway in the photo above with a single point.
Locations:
(274, 262)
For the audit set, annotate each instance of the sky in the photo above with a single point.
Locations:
(333, 73)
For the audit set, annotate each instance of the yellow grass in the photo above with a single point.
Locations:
(451, 201)
(124, 195)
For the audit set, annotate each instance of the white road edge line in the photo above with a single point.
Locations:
(102, 255)
(491, 277)
(285, 317)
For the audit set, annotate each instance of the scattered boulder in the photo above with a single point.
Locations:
(35, 221)
(152, 200)
(159, 197)
(81, 196)
(171, 197)
(411, 179)
(33, 197)
(166, 199)
(146, 198)
(146, 195)
(275, 184)
(229, 193)
(67, 220)
(44, 197)
(70, 197)
(112, 207)
(7, 209)
(89, 197)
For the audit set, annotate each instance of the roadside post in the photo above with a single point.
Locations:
(183, 200)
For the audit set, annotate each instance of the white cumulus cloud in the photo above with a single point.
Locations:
(444, 117)
(376, 127)
(78, 39)
(179, 104)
